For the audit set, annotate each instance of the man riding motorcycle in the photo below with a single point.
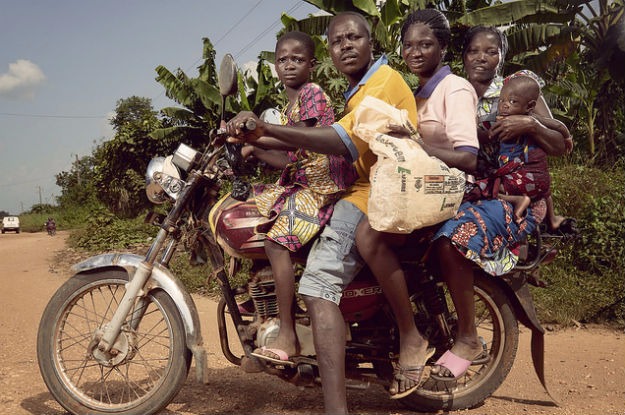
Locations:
(50, 226)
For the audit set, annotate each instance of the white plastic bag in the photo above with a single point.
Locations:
(409, 188)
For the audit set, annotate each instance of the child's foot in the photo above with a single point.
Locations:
(280, 349)
(520, 208)
(568, 226)
(556, 222)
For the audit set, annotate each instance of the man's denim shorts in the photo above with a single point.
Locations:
(333, 261)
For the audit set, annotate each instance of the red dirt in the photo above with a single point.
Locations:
(585, 366)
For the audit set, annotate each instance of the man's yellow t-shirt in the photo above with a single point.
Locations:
(385, 83)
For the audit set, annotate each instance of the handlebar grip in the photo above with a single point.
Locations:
(248, 125)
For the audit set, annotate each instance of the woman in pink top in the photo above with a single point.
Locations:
(446, 106)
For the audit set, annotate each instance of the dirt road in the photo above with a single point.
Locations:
(585, 367)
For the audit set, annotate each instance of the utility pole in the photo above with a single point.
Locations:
(39, 187)
(78, 172)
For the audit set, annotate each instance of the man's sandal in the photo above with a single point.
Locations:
(408, 374)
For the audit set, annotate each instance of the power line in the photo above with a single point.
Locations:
(239, 21)
(296, 6)
(245, 48)
(24, 182)
(215, 44)
(234, 26)
(12, 114)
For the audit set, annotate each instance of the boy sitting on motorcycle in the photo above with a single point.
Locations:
(302, 200)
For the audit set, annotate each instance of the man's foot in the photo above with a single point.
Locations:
(413, 355)
(407, 379)
(455, 362)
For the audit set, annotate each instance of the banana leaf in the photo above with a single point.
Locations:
(208, 94)
(536, 11)
(175, 87)
(177, 131)
(180, 114)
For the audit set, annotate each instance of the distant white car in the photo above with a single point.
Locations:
(11, 223)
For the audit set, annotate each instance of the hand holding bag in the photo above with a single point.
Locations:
(409, 188)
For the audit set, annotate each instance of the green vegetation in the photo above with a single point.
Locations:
(576, 46)
(587, 278)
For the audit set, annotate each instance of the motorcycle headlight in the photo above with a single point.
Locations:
(162, 180)
(185, 157)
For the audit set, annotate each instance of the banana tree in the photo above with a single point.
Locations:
(537, 30)
(200, 101)
(593, 83)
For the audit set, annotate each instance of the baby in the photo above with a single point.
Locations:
(523, 173)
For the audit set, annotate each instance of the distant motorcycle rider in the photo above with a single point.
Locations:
(51, 226)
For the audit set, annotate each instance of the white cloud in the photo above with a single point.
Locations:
(22, 80)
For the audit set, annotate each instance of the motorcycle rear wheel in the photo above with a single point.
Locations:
(143, 378)
(498, 327)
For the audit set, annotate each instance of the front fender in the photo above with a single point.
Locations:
(161, 278)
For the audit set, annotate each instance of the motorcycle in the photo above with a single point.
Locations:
(119, 336)
(50, 228)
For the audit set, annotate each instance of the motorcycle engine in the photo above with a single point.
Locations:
(269, 329)
(267, 332)
(262, 290)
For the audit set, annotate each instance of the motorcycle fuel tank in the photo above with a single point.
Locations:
(235, 223)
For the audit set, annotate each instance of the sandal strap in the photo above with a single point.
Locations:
(408, 372)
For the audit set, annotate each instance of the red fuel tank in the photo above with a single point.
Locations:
(234, 224)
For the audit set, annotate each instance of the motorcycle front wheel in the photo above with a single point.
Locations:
(141, 376)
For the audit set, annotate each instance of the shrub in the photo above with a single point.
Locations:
(105, 231)
(588, 277)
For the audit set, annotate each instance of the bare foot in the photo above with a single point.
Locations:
(520, 207)
(556, 221)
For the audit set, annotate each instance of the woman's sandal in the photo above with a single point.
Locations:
(402, 374)
(457, 365)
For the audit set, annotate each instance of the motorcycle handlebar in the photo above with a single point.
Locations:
(246, 126)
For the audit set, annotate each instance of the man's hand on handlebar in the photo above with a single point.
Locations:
(245, 127)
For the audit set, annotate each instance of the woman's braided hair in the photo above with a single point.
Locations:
(432, 18)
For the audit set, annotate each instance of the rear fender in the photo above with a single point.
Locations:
(515, 284)
(161, 278)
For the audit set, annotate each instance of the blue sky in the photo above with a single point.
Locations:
(65, 64)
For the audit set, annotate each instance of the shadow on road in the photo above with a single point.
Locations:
(232, 391)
